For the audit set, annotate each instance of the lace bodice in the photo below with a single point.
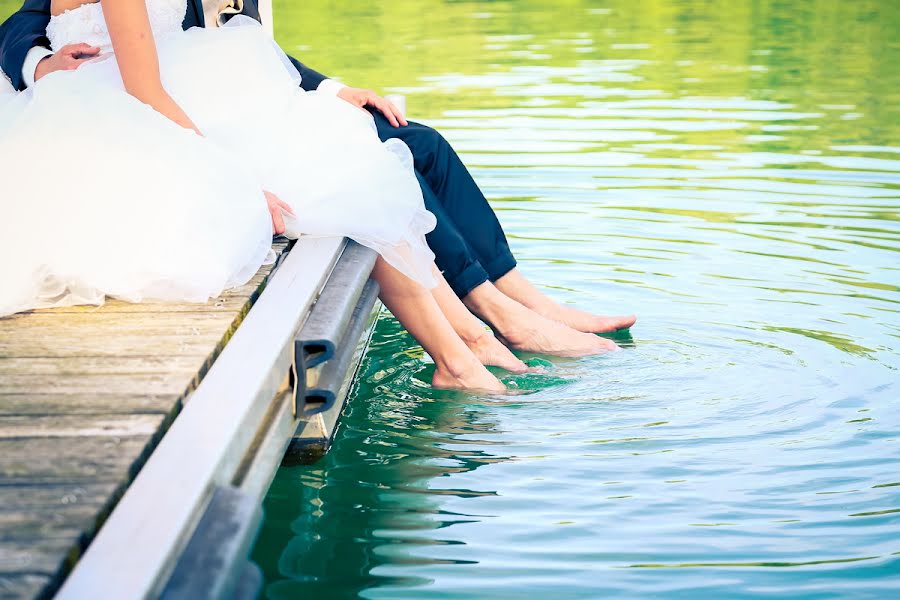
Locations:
(86, 23)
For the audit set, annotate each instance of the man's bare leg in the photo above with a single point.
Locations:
(517, 287)
(486, 347)
(521, 328)
(416, 309)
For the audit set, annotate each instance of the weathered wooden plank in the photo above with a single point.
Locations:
(35, 523)
(113, 334)
(83, 375)
(110, 385)
(80, 365)
(45, 528)
(22, 584)
(88, 459)
(86, 403)
(49, 497)
(44, 555)
(113, 426)
(56, 493)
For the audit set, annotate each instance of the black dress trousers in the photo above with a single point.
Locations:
(468, 242)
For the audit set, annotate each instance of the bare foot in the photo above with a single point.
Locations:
(517, 287)
(521, 328)
(492, 353)
(469, 376)
(584, 321)
(544, 336)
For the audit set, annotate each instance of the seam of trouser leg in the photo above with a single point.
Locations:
(500, 266)
(470, 278)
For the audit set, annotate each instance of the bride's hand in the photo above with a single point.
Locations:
(276, 206)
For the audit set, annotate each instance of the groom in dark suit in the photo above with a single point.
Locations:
(468, 241)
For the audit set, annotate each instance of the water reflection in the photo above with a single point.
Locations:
(728, 171)
(377, 503)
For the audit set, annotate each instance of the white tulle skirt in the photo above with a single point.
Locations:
(103, 196)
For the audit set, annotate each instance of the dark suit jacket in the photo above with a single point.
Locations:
(27, 28)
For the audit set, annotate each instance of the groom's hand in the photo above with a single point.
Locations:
(362, 98)
(68, 58)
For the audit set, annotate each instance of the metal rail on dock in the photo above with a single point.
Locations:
(323, 347)
(185, 525)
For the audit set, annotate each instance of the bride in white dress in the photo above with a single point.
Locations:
(159, 191)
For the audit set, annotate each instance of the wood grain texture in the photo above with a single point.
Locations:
(143, 375)
(86, 393)
(39, 459)
(23, 584)
(99, 402)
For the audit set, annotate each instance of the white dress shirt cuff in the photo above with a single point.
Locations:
(330, 86)
(34, 56)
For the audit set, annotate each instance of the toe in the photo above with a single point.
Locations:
(517, 367)
(611, 324)
(626, 322)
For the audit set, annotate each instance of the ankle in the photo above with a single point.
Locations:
(490, 304)
(456, 366)
(475, 336)
(478, 301)
(539, 303)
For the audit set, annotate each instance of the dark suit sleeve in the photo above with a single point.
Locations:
(20, 33)
(310, 78)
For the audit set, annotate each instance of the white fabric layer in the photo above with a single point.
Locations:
(6, 87)
(103, 196)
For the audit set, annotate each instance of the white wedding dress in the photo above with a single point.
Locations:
(101, 196)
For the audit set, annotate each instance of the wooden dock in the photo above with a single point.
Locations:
(137, 440)
(87, 395)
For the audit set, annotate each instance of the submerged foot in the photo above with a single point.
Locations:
(585, 321)
(545, 336)
(469, 376)
(492, 353)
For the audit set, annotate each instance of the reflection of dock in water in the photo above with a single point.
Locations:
(137, 440)
(384, 506)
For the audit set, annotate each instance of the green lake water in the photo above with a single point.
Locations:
(729, 171)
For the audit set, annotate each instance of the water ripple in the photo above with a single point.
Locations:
(731, 175)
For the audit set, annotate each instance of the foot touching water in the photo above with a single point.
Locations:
(544, 336)
(471, 376)
(585, 321)
(517, 287)
(492, 353)
(521, 328)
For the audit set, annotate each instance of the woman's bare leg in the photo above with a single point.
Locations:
(455, 365)
(517, 287)
(473, 333)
